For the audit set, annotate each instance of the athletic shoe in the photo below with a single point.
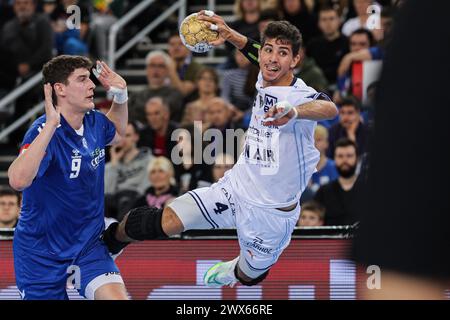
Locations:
(221, 274)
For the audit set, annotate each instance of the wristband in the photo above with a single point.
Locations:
(287, 107)
(120, 95)
(296, 113)
(250, 51)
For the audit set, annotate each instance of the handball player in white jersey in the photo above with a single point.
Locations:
(260, 195)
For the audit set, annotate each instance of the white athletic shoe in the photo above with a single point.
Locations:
(221, 274)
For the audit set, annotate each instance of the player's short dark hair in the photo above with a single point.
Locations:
(345, 142)
(351, 101)
(10, 192)
(314, 206)
(58, 69)
(285, 32)
(367, 33)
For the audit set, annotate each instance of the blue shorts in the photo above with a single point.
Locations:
(41, 277)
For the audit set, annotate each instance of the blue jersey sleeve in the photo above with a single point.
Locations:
(376, 53)
(31, 134)
(108, 127)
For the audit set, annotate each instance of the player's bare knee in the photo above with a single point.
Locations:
(111, 291)
(171, 223)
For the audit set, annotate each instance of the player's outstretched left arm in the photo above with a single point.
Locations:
(316, 110)
(115, 84)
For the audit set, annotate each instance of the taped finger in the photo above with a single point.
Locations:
(97, 70)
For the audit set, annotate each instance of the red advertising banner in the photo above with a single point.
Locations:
(173, 269)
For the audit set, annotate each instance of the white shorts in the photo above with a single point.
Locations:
(263, 232)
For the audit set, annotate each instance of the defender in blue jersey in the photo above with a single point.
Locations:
(60, 169)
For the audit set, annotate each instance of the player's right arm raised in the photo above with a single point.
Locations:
(217, 23)
(24, 169)
(248, 47)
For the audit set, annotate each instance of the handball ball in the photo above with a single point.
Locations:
(196, 35)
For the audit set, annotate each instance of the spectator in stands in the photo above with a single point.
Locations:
(48, 6)
(26, 42)
(191, 171)
(266, 16)
(361, 48)
(326, 168)
(73, 40)
(183, 69)
(247, 13)
(157, 77)
(360, 21)
(157, 134)
(125, 173)
(234, 83)
(7, 74)
(9, 208)
(207, 87)
(343, 198)
(310, 73)
(349, 126)
(7, 70)
(360, 51)
(297, 13)
(219, 116)
(328, 48)
(312, 214)
(102, 20)
(27, 38)
(163, 189)
(6, 12)
(222, 164)
(247, 18)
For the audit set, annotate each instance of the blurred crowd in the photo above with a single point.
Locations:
(180, 93)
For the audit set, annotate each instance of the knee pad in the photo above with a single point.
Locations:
(144, 223)
(251, 282)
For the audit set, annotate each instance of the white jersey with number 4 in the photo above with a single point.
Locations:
(277, 162)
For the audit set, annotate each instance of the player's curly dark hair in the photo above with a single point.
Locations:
(285, 32)
(58, 69)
